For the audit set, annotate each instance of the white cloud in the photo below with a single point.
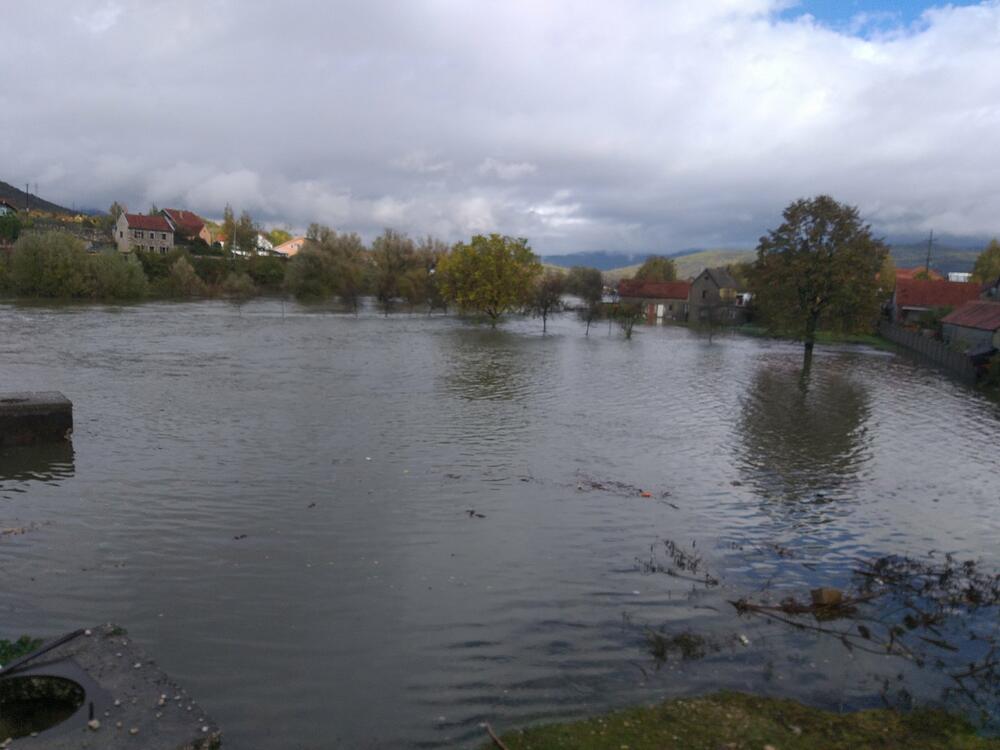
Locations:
(629, 126)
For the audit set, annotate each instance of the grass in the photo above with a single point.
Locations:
(736, 721)
(826, 337)
(10, 650)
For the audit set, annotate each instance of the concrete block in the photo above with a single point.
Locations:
(30, 418)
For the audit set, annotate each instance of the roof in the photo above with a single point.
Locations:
(910, 273)
(928, 294)
(187, 221)
(152, 223)
(8, 204)
(981, 314)
(291, 247)
(722, 278)
(654, 289)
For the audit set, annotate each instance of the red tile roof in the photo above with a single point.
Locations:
(654, 289)
(187, 221)
(909, 273)
(927, 294)
(980, 314)
(150, 223)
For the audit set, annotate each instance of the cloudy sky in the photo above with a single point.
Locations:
(635, 125)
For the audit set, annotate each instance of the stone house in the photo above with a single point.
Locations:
(975, 326)
(661, 300)
(148, 233)
(715, 297)
(913, 297)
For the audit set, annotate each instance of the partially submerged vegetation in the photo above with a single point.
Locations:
(735, 721)
(11, 650)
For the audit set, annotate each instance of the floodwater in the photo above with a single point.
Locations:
(370, 532)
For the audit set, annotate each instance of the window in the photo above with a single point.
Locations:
(704, 294)
(138, 234)
(121, 234)
(163, 235)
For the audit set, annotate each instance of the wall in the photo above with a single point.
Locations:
(956, 363)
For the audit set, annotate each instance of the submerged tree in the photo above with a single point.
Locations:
(820, 267)
(393, 258)
(491, 275)
(588, 285)
(546, 297)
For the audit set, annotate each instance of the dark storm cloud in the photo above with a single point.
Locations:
(633, 126)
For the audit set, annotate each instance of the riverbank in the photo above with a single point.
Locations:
(737, 721)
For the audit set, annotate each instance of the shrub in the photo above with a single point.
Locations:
(239, 285)
(10, 228)
(110, 276)
(267, 271)
(53, 264)
(311, 274)
(182, 281)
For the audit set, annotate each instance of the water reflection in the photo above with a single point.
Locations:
(487, 365)
(803, 433)
(48, 462)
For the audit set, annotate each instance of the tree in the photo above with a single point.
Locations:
(279, 236)
(182, 281)
(546, 297)
(330, 264)
(818, 268)
(491, 275)
(657, 268)
(228, 231)
(987, 266)
(588, 285)
(245, 235)
(393, 257)
(887, 277)
(115, 211)
(10, 228)
(53, 264)
(627, 315)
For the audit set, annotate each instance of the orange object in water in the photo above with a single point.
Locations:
(646, 494)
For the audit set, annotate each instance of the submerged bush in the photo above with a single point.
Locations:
(239, 285)
(53, 264)
(115, 277)
(182, 281)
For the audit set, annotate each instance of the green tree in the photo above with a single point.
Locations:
(182, 281)
(267, 271)
(588, 285)
(330, 264)
(245, 239)
(546, 296)
(393, 257)
(115, 211)
(238, 285)
(10, 228)
(818, 268)
(279, 236)
(113, 277)
(887, 277)
(228, 229)
(627, 315)
(657, 268)
(51, 264)
(491, 275)
(987, 266)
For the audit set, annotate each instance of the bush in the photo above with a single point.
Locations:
(10, 228)
(311, 275)
(182, 281)
(239, 285)
(115, 277)
(267, 271)
(53, 265)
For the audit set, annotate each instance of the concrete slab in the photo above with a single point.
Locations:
(40, 417)
(135, 704)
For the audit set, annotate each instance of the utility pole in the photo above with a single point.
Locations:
(930, 242)
(27, 197)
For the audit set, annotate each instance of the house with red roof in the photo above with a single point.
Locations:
(187, 225)
(151, 234)
(975, 326)
(914, 297)
(662, 300)
(920, 272)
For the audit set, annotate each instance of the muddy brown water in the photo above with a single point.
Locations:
(276, 504)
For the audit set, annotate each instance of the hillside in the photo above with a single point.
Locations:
(17, 197)
(690, 264)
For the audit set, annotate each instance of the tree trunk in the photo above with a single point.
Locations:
(810, 340)
(545, 317)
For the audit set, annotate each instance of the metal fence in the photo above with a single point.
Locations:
(956, 363)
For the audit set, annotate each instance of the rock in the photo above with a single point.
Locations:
(94, 724)
(827, 597)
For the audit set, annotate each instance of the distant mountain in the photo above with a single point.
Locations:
(18, 198)
(944, 257)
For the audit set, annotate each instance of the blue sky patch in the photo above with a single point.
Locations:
(865, 16)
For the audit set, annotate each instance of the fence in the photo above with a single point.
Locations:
(956, 363)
